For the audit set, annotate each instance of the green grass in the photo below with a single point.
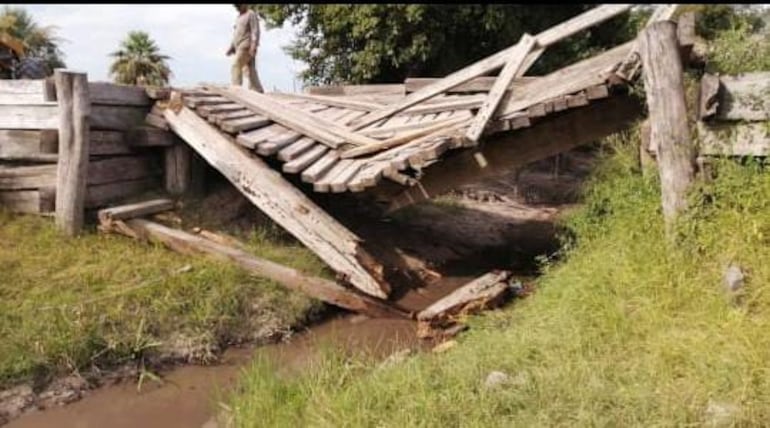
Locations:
(68, 304)
(625, 330)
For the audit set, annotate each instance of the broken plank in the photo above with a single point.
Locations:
(284, 203)
(318, 288)
(488, 108)
(482, 292)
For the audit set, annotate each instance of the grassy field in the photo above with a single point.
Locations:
(624, 330)
(100, 300)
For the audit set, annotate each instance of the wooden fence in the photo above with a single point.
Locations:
(129, 146)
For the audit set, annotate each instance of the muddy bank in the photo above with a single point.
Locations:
(187, 397)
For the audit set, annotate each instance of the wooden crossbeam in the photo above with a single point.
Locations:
(493, 62)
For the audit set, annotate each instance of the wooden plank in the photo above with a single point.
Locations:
(320, 130)
(305, 160)
(73, 169)
(27, 177)
(597, 92)
(113, 94)
(277, 142)
(352, 90)
(330, 101)
(117, 117)
(38, 201)
(244, 124)
(148, 137)
(669, 130)
(320, 167)
(194, 102)
(488, 108)
(138, 209)
(734, 139)
(206, 110)
(218, 118)
(486, 65)
(745, 97)
(561, 133)
(177, 169)
(295, 149)
(23, 92)
(430, 131)
(318, 288)
(122, 168)
(340, 182)
(323, 185)
(478, 84)
(14, 143)
(577, 100)
(156, 121)
(481, 292)
(283, 203)
(37, 116)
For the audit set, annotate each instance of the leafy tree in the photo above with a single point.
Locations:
(381, 43)
(39, 41)
(139, 62)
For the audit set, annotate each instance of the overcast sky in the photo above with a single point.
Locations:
(195, 36)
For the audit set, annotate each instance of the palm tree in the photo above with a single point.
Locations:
(139, 62)
(39, 41)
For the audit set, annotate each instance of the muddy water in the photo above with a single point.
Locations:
(187, 398)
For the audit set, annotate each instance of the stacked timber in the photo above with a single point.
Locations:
(125, 145)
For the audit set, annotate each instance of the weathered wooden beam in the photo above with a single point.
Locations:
(106, 93)
(381, 89)
(139, 209)
(29, 201)
(74, 139)
(32, 116)
(282, 202)
(101, 171)
(488, 108)
(745, 97)
(319, 288)
(178, 163)
(478, 84)
(25, 92)
(734, 139)
(117, 117)
(14, 143)
(504, 153)
(482, 291)
(669, 129)
(486, 65)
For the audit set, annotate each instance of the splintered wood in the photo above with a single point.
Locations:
(482, 293)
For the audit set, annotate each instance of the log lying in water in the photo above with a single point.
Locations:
(480, 292)
(318, 288)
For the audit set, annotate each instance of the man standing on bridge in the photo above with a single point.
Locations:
(244, 46)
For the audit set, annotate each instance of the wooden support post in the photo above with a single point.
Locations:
(74, 135)
(178, 169)
(669, 130)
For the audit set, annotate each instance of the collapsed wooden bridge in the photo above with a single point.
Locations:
(397, 148)
(419, 144)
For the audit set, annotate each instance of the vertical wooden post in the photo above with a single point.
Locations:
(178, 159)
(669, 130)
(72, 172)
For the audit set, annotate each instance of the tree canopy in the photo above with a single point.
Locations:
(385, 43)
(39, 41)
(139, 62)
